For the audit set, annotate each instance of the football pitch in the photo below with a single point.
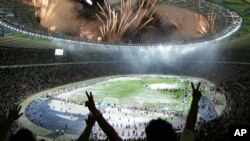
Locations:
(123, 99)
(158, 92)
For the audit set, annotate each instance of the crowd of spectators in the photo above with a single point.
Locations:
(14, 56)
(157, 129)
(21, 82)
(21, 56)
(18, 83)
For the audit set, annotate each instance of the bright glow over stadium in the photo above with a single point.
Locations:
(222, 22)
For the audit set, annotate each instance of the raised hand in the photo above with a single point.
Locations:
(91, 120)
(193, 112)
(14, 113)
(105, 126)
(196, 91)
(90, 103)
(3, 113)
(90, 123)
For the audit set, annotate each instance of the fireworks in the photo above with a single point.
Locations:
(211, 18)
(126, 21)
(116, 23)
(51, 29)
(46, 10)
(84, 33)
(202, 27)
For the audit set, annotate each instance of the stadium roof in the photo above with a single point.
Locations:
(34, 34)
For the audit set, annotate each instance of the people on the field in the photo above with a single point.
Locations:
(156, 129)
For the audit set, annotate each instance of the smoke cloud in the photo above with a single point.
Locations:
(172, 55)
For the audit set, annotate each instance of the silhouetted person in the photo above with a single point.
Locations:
(160, 130)
(13, 115)
(165, 130)
(23, 135)
(87, 131)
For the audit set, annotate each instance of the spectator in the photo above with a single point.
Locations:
(23, 135)
(160, 130)
(90, 123)
(157, 129)
(13, 115)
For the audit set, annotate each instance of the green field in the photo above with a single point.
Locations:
(133, 90)
(135, 93)
(151, 91)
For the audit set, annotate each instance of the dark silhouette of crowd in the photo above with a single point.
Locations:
(157, 129)
(20, 82)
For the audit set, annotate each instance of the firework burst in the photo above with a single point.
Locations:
(114, 24)
(202, 27)
(211, 19)
(46, 10)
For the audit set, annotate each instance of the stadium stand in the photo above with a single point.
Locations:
(30, 80)
(47, 56)
(27, 71)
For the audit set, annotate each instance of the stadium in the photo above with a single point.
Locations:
(137, 57)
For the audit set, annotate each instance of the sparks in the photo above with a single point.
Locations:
(46, 9)
(116, 23)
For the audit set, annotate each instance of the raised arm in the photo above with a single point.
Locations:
(192, 115)
(13, 115)
(188, 132)
(86, 133)
(105, 126)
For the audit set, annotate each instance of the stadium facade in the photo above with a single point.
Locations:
(18, 18)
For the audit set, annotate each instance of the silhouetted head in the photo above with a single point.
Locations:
(23, 135)
(160, 130)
